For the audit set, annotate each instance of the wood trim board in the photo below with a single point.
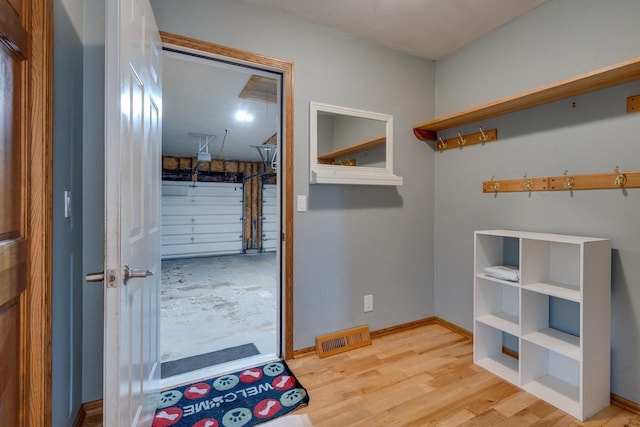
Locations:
(403, 327)
(36, 308)
(388, 331)
(286, 69)
(89, 414)
(625, 404)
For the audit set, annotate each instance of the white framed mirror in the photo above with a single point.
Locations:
(349, 146)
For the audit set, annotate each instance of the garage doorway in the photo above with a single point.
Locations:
(221, 275)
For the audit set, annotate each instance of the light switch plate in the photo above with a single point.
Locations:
(67, 204)
(302, 203)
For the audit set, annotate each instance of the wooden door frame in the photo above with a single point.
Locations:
(286, 69)
(37, 183)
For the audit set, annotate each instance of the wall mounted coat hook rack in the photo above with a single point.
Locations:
(465, 140)
(565, 182)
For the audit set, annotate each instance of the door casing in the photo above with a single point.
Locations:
(35, 186)
(286, 69)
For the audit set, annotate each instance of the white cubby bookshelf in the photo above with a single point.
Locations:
(562, 354)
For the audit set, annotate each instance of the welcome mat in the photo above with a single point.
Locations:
(243, 398)
(193, 363)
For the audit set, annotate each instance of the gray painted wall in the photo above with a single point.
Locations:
(556, 41)
(93, 198)
(354, 240)
(357, 240)
(559, 40)
(67, 232)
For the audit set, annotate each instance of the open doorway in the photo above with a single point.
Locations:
(221, 276)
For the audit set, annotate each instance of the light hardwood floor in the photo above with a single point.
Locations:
(424, 377)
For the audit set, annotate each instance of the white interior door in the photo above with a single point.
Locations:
(132, 213)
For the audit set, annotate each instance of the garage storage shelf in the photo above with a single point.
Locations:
(569, 371)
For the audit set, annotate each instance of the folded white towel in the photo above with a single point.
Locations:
(503, 272)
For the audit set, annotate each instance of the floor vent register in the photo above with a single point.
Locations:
(341, 341)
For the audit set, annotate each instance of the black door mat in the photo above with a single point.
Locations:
(193, 363)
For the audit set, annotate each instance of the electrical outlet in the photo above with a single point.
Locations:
(368, 303)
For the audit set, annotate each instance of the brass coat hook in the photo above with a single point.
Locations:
(483, 136)
(528, 183)
(494, 185)
(621, 178)
(568, 180)
(461, 140)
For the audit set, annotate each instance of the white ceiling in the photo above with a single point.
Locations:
(428, 28)
(201, 96)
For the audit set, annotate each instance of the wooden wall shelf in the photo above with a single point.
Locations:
(330, 157)
(600, 181)
(599, 79)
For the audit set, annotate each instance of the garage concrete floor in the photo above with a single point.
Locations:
(214, 303)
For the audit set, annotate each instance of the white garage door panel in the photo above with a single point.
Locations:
(212, 209)
(269, 192)
(269, 217)
(271, 227)
(223, 220)
(220, 189)
(269, 200)
(184, 201)
(181, 229)
(180, 239)
(201, 220)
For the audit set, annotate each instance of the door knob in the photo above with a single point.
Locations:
(129, 273)
(134, 273)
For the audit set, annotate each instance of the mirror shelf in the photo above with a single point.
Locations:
(327, 174)
(330, 157)
(349, 146)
